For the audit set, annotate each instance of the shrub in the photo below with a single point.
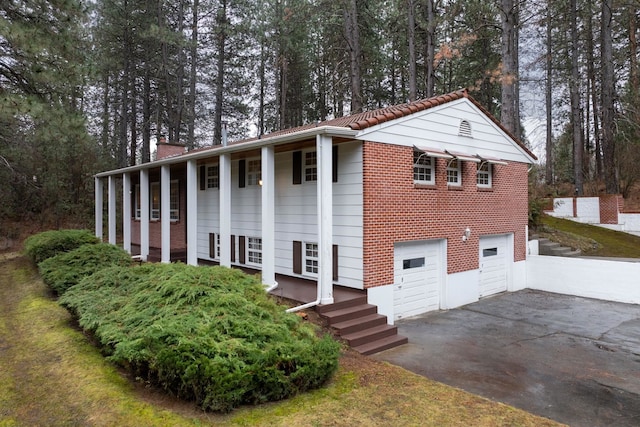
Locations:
(67, 269)
(50, 243)
(209, 334)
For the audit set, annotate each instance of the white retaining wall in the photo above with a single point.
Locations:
(592, 278)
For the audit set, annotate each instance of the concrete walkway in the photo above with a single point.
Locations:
(574, 360)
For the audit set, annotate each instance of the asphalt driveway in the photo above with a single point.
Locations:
(574, 360)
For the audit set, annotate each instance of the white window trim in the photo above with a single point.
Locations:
(254, 177)
(306, 258)
(210, 178)
(253, 251)
(488, 173)
(136, 202)
(457, 170)
(309, 167)
(174, 214)
(425, 168)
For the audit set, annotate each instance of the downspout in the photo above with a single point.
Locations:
(309, 304)
(272, 287)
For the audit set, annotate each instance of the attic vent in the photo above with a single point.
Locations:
(465, 129)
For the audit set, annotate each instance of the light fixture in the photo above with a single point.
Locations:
(260, 182)
(466, 235)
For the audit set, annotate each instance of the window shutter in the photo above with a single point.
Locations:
(241, 249)
(242, 173)
(334, 163)
(212, 245)
(203, 177)
(335, 262)
(233, 248)
(297, 167)
(297, 257)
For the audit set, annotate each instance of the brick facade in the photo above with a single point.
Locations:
(396, 209)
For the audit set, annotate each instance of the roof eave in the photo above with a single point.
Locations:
(333, 131)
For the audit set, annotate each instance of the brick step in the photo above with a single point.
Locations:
(368, 335)
(354, 325)
(342, 304)
(340, 315)
(381, 344)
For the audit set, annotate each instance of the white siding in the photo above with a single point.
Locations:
(296, 216)
(438, 128)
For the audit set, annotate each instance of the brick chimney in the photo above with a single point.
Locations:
(168, 149)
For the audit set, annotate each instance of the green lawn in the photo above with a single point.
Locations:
(609, 243)
(51, 376)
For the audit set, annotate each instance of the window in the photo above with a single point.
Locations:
(423, 166)
(254, 250)
(310, 166)
(311, 258)
(412, 263)
(213, 177)
(453, 172)
(155, 200)
(484, 175)
(254, 176)
(174, 201)
(489, 252)
(137, 202)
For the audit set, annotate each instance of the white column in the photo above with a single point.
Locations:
(325, 218)
(165, 217)
(268, 216)
(192, 212)
(225, 209)
(99, 206)
(112, 209)
(126, 212)
(144, 214)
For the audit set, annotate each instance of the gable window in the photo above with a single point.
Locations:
(254, 175)
(213, 180)
(155, 200)
(310, 166)
(423, 168)
(254, 250)
(174, 201)
(453, 172)
(484, 175)
(311, 258)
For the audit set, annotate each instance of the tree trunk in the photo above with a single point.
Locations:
(608, 142)
(593, 90)
(193, 75)
(146, 114)
(574, 83)
(548, 101)
(352, 34)
(430, 49)
(412, 49)
(509, 112)
(221, 20)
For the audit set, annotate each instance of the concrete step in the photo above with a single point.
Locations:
(375, 333)
(381, 344)
(349, 313)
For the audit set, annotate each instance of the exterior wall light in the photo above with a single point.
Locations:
(466, 235)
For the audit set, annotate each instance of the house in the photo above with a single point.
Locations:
(420, 206)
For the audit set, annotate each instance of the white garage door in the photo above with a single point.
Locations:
(417, 278)
(493, 265)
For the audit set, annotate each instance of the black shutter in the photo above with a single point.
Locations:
(297, 167)
(297, 257)
(242, 250)
(335, 262)
(212, 245)
(242, 173)
(334, 163)
(203, 177)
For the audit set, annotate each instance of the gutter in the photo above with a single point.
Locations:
(336, 131)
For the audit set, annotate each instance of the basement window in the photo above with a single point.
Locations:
(311, 258)
(254, 250)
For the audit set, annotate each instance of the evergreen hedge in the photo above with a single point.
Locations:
(50, 243)
(208, 334)
(67, 269)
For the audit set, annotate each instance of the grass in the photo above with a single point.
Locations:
(52, 375)
(600, 241)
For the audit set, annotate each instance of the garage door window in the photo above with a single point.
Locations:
(412, 263)
(489, 252)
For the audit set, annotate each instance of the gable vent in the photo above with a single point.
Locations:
(465, 129)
